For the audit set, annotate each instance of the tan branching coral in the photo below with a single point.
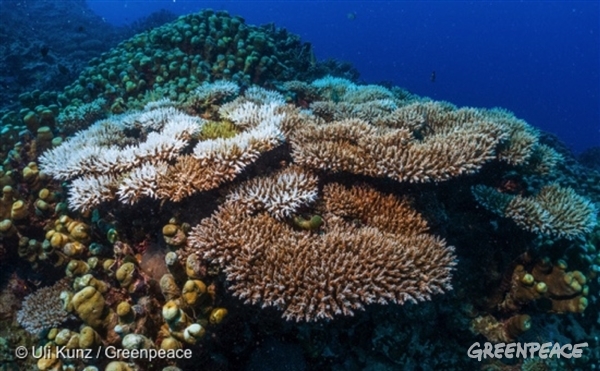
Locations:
(457, 141)
(555, 211)
(543, 159)
(366, 130)
(387, 213)
(313, 275)
(358, 147)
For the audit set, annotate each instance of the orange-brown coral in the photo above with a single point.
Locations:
(565, 290)
(343, 267)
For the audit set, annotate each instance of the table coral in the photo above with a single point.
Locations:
(105, 163)
(554, 211)
(312, 276)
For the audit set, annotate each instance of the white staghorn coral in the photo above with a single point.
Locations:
(260, 95)
(89, 191)
(266, 134)
(104, 148)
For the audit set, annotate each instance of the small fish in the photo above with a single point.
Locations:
(351, 16)
(432, 77)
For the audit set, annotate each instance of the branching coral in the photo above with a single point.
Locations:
(281, 196)
(554, 211)
(209, 93)
(357, 129)
(43, 309)
(356, 146)
(316, 275)
(215, 161)
(107, 162)
(366, 130)
(140, 154)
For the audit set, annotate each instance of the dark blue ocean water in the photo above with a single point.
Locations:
(540, 60)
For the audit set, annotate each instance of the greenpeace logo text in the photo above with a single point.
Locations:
(525, 350)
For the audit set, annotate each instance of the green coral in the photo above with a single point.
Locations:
(218, 129)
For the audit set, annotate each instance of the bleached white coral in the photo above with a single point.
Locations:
(90, 191)
(281, 195)
(141, 182)
(237, 152)
(106, 148)
(147, 153)
(72, 117)
(161, 103)
(333, 87)
(245, 114)
(260, 95)
(367, 93)
(120, 156)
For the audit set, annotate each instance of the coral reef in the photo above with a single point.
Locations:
(193, 186)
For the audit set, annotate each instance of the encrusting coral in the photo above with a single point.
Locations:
(566, 291)
(539, 283)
